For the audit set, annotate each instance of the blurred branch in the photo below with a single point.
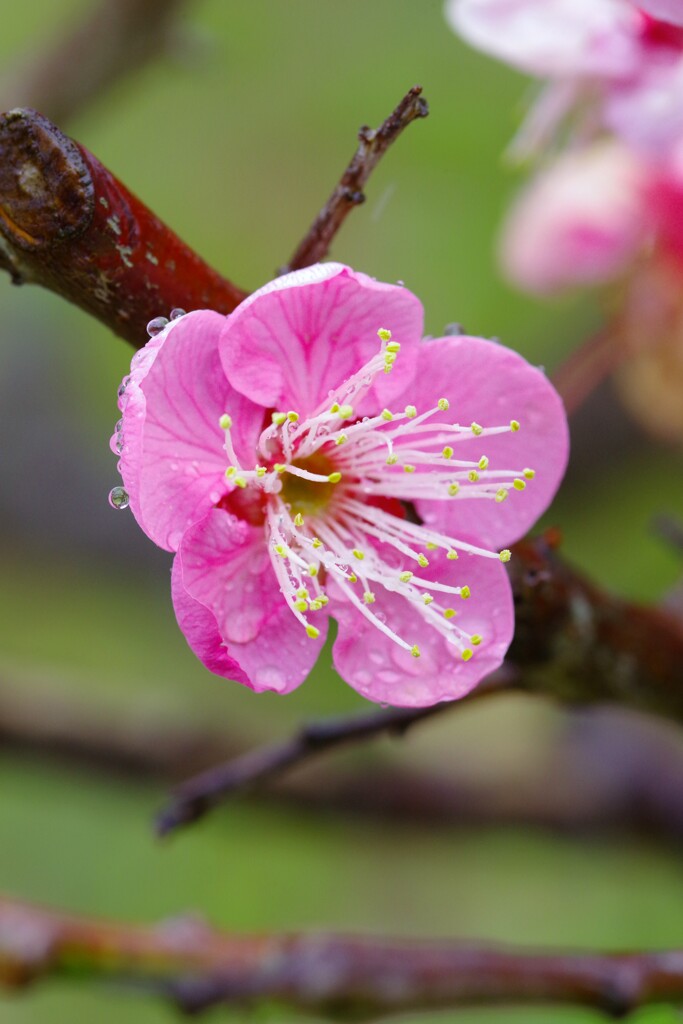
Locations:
(196, 967)
(573, 641)
(114, 39)
(587, 366)
(67, 224)
(372, 145)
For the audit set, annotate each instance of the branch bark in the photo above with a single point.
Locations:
(67, 224)
(197, 967)
(372, 145)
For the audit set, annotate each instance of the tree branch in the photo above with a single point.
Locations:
(114, 39)
(372, 145)
(197, 967)
(66, 223)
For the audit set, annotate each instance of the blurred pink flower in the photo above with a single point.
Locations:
(614, 65)
(271, 451)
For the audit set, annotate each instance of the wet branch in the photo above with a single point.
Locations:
(197, 967)
(372, 145)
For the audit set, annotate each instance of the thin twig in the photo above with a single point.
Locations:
(67, 224)
(112, 40)
(372, 145)
(197, 967)
(587, 366)
(194, 798)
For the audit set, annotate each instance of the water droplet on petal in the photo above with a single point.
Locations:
(118, 498)
(176, 313)
(156, 326)
(270, 676)
(122, 387)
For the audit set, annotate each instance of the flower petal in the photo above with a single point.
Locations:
(173, 461)
(384, 672)
(300, 336)
(231, 610)
(489, 384)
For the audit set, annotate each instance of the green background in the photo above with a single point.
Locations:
(236, 138)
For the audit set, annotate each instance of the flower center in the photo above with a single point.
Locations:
(309, 497)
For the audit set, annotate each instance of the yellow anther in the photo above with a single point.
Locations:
(447, 452)
(357, 553)
(383, 334)
(239, 481)
(394, 347)
(323, 600)
(407, 468)
(452, 555)
(529, 473)
(334, 478)
(476, 639)
(369, 597)
(387, 415)
(279, 418)
(302, 592)
(477, 429)
(301, 605)
(341, 439)
(483, 462)
(449, 613)
(312, 569)
(230, 472)
(431, 546)
(415, 651)
(261, 471)
(514, 425)
(345, 412)
(390, 358)
(505, 555)
(298, 519)
(316, 543)
(465, 592)
(281, 550)
(335, 407)
(388, 367)
(519, 485)
(225, 422)
(453, 489)
(405, 577)
(411, 412)
(392, 460)
(353, 578)
(313, 632)
(422, 560)
(443, 404)
(292, 416)
(315, 605)
(473, 476)
(279, 467)
(501, 495)
(427, 598)
(467, 654)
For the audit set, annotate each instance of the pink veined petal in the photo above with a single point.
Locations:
(666, 10)
(173, 462)
(293, 341)
(491, 385)
(555, 38)
(579, 222)
(227, 598)
(382, 671)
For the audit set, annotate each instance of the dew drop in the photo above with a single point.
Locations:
(122, 387)
(176, 313)
(270, 676)
(156, 326)
(118, 498)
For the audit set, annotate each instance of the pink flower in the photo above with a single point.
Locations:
(272, 450)
(614, 65)
(581, 221)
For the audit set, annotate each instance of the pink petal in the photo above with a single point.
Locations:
(384, 672)
(557, 38)
(300, 336)
(666, 10)
(491, 385)
(173, 462)
(648, 113)
(580, 221)
(230, 608)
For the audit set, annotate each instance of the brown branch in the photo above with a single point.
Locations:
(67, 224)
(114, 39)
(197, 967)
(372, 145)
